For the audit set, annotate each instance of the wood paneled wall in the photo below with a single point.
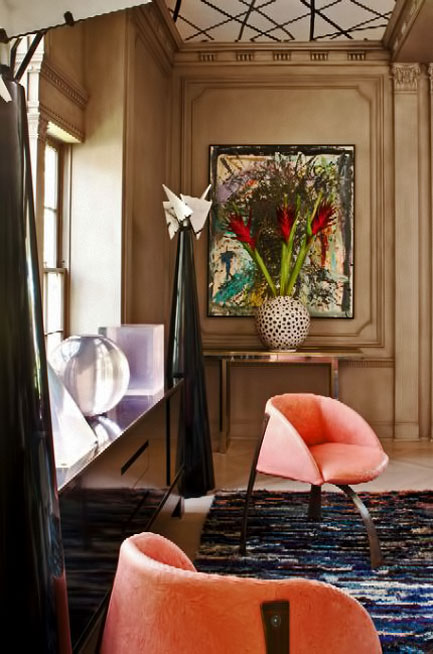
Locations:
(178, 99)
(223, 96)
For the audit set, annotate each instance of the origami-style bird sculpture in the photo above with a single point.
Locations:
(178, 211)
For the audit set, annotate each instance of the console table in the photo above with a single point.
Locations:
(227, 358)
(126, 483)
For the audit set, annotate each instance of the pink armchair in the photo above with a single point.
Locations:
(161, 605)
(317, 440)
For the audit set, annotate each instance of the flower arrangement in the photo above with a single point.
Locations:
(292, 230)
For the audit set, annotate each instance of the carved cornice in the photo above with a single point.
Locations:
(68, 87)
(430, 75)
(401, 22)
(406, 77)
(154, 23)
(292, 54)
(319, 55)
(356, 55)
(48, 115)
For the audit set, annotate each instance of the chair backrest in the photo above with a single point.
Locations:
(169, 608)
(319, 419)
(304, 412)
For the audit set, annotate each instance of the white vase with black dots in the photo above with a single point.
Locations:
(282, 323)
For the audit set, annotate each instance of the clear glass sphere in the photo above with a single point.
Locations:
(94, 370)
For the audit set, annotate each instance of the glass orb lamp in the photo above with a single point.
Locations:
(94, 370)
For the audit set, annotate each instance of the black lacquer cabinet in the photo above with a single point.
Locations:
(126, 485)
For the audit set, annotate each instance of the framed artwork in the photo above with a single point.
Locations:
(254, 182)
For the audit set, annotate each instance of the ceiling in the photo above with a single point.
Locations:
(258, 21)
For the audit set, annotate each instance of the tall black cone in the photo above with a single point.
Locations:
(185, 360)
(32, 580)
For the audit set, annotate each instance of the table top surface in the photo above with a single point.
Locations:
(282, 355)
(111, 426)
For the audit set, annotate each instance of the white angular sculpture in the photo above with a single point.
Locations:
(72, 435)
(178, 210)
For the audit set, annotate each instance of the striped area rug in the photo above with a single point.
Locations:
(283, 543)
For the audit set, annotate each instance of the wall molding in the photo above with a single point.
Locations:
(402, 20)
(368, 363)
(406, 77)
(155, 26)
(68, 87)
(292, 54)
(49, 115)
(430, 76)
(368, 332)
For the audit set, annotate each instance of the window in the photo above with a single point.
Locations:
(54, 246)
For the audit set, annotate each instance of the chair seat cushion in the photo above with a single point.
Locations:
(348, 464)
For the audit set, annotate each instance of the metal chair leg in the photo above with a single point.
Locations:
(376, 558)
(253, 473)
(315, 505)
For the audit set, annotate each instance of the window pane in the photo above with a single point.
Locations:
(53, 301)
(52, 341)
(51, 177)
(50, 238)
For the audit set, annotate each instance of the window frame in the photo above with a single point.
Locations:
(62, 258)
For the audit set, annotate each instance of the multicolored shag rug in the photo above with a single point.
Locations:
(283, 543)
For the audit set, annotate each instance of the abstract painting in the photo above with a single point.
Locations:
(254, 181)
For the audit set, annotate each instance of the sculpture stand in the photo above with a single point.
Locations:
(185, 360)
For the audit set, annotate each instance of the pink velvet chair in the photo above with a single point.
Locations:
(317, 440)
(161, 605)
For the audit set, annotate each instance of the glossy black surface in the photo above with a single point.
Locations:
(185, 360)
(119, 489)
(32, 581)
(95, 521)
(112, 426)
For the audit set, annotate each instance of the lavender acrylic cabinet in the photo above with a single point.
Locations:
(126, 484)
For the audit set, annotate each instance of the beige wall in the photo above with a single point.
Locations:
(97, 182)
(147, 247)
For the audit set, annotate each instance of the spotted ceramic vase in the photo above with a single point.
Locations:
(282, 323)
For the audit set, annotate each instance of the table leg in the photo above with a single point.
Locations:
(228, 404)
(334, 379)
(223, 405)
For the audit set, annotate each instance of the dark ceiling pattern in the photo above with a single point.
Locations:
(280, 20)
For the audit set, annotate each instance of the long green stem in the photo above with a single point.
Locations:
(284, 268)
(313, 213)
(259, 261)
(303, 251)
(265, 272)
(283, 290)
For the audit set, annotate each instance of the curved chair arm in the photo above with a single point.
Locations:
(158, 609)
(284, 452)
(343, 424)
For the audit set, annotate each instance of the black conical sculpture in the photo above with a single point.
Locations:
(185, 360)
(32, 579)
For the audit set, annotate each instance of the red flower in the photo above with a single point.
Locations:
(286, 217)
(323, 218)
(241, 230)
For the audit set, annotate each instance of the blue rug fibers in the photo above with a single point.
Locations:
(283, 543)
